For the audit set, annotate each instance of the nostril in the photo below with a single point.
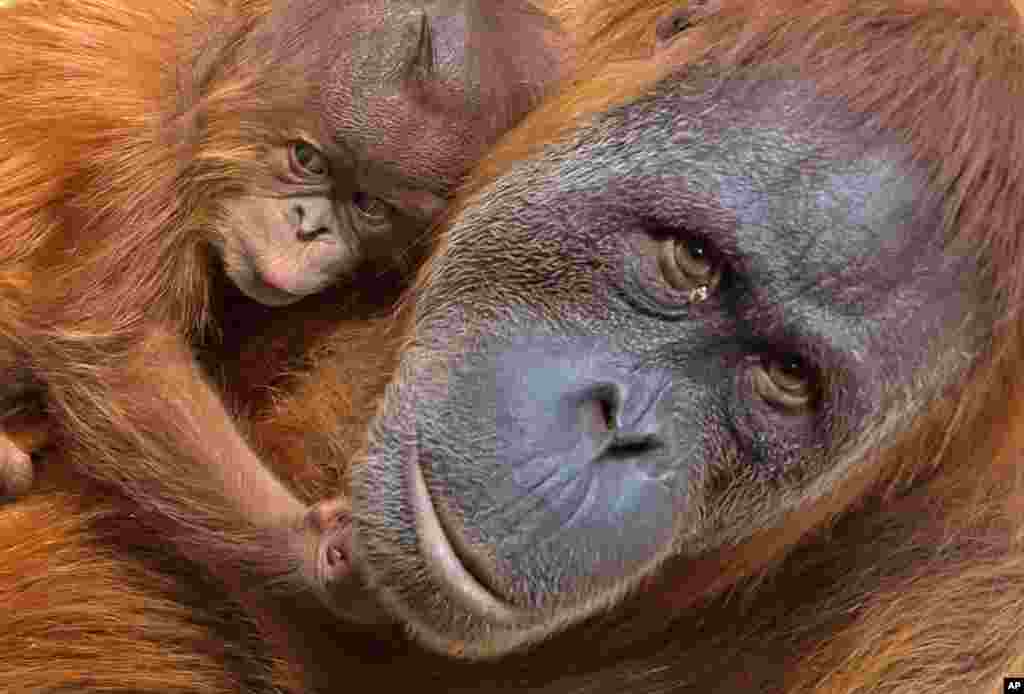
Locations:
(621, 428)
(609, 413)
(594, 417)
(302, 232)
(311, 234)
(599, 410)
(601, 420)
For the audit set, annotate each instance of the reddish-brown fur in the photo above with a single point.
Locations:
(909, 580)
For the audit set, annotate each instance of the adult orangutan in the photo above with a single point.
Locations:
(710, 385)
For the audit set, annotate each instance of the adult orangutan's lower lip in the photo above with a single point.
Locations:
(445, 564)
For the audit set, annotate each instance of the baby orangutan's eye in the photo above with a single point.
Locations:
(307, 160)
(371, 208)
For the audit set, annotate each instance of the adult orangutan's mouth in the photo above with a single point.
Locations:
(448, 568)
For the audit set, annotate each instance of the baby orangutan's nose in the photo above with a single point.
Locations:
(313, 218)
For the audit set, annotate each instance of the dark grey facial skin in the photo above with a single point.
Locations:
(571, 421)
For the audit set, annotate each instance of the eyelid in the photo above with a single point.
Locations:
(376, 220)
(283, 164)
(725, 259)
(303, 173)
(718, 242)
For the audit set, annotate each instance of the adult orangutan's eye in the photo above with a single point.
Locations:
(689, 264)
(786, 382)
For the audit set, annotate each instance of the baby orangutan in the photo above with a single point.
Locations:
(282, 145)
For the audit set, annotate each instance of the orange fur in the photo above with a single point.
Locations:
(903, 580)
(74, 610)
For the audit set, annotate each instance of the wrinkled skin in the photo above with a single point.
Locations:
(637, 386)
